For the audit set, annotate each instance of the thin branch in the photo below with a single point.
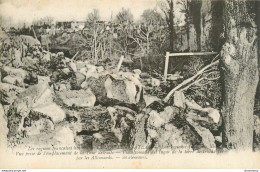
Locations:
(193, 83)
(166, 99)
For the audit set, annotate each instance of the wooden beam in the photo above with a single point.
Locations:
(119, 63)
(166, 66)
(168, 55)
(193, 54)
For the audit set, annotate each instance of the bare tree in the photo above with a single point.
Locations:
(92, 18)
(152, 17)
(124, 16)
(185, 4)
(168, 10)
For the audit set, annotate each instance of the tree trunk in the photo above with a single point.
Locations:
(206, 25)
(240, 74)
(196, 17)
(217, 25)
(171, 26)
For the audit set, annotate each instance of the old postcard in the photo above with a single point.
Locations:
(129, 84)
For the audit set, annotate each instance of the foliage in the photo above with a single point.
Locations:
(124, 16)
(152, 17)
(43, 21)
(93, 16)
(208, 88)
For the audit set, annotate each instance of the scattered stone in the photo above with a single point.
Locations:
(20, 73)
(34, 126)
(3, 127)
(155, 82)
(8, 93)
(60, 54)
(29, 40)
(50, 110)
(218, 139)
(43, 79)
(150, 99)
(30, 63)
(100, 69)
(207, 139)
(14, 80)
(46, 58)
(207, 117)
(128, 91)
(62, 87)
(124, 90)
(155, 120)
(256, 133)
(31, 79)
(78, 98)
(179, 99)
(94, 119)
(64, 136)
(77, 80)
(73, 66)
(91, 71)
(124, 121)
(80, 64)
(137, 71)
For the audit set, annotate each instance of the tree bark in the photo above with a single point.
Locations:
(171, 25)
(240, 74)
(195, 11)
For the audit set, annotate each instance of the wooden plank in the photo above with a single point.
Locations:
(120, 63)
(166, 66)
(193, 54)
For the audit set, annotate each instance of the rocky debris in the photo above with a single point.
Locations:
(207, 117)
(3, 127)
(171, 127)
(30, 41)
(77, 98)
(43, 79)
(10, 71)
(124, 120)
(124, 90)
(55, 100)
(100, 69)
(73, 66)
(18, 77)
(8, 93)
(31, 79)
(64, 136)
(96, 129)
(206, 137)
(94, 119)
(256, 133)
(77, 79)
(137, 71)
(33, 112)
(150, 99)
(153, 82)
(52, 110)
(30, 62)
(179, 99)
(14, 80)
(36, 123)
(46, 58)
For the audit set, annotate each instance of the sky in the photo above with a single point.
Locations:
(25, 11)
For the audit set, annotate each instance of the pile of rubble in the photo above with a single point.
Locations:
(49, 99)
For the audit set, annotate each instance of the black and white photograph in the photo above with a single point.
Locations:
(129, 84)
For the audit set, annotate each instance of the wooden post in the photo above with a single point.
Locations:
(166, 65)
(119, 63)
